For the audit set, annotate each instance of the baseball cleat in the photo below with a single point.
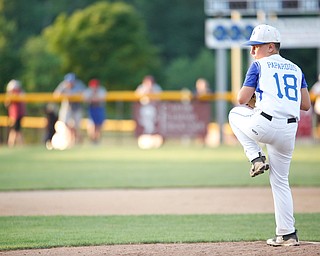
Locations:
(285, 240)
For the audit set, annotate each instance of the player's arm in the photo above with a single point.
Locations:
(305, 99)
(249, 84)
(245, 94)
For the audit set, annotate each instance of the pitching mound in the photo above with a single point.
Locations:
(199, 249)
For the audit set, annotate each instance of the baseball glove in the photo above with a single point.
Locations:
(252, 101)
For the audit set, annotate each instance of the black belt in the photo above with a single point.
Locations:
(290, 120)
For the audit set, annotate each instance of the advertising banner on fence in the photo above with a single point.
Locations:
(173, 119)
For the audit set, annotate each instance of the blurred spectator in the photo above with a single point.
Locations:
(147, 117)
(315, 90)
(148, 86)
(95, 95)
(52, 118)
(202, 87)
(147, 110)
(70, 113)
(16, 111)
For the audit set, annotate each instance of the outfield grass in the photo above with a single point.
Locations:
(56, 231)
(32, 168)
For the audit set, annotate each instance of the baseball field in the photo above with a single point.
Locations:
(177, 200)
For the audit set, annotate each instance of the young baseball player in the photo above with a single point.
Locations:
(281, 91)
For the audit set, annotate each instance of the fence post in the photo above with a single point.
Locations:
(221, 81)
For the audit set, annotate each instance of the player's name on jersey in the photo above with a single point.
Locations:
(283, 66)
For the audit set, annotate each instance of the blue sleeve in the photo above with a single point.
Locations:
(252, 75)
(304, 82)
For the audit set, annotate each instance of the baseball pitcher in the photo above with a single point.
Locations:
(280, 89)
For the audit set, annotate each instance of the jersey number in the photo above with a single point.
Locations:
(289, 83)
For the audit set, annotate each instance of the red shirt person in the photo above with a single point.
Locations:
(16, 111)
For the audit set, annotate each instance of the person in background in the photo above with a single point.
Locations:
(52, 118)
(202, 87)
(315, 90)
(147, 117)
(95, 96)
(147, 110)
(16, 111)
(148, 86)
(70, 113)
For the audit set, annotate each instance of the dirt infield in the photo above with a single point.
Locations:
(159, 201)
(152, 201)
(199, 249)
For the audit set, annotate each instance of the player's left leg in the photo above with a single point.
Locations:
(279, 181)
(280, 154)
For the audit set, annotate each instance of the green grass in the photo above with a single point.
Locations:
(112, 166)
(33, 167)
(56, 231)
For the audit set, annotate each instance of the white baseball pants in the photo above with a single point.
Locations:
(251, 128)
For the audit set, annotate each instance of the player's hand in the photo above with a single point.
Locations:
(252, 101)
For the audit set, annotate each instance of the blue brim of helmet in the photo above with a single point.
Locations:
(250, 43)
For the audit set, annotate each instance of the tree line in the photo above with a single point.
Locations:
(116, 41)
